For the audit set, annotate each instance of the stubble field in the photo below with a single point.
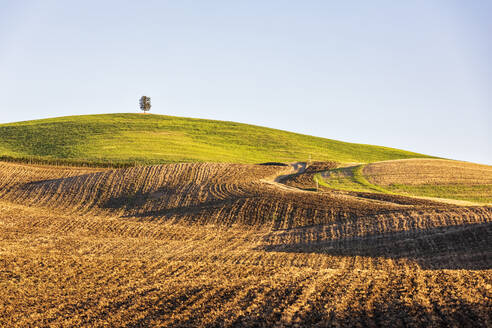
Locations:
(186, 245)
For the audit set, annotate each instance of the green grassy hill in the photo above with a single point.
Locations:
(130, 138)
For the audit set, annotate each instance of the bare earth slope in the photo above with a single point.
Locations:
(221, 245)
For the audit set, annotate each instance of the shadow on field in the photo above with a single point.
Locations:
(453, 247)
(127, 201)
(387, 311)
(390, 313)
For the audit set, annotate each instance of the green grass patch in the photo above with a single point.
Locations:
(473, 193)
(347, 178)
(360, 179)
(339, 182)
(150, 139)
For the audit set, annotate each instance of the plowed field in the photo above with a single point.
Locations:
(223, 245)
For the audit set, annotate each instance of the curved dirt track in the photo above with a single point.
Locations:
(277, 179)
(228, 245)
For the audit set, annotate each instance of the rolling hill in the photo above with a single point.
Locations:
(213, 243)
(120, 139)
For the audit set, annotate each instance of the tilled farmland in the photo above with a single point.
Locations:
(228, 245)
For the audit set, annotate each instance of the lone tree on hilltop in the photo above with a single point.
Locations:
(145, 103)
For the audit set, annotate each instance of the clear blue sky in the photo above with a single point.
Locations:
(415, 75)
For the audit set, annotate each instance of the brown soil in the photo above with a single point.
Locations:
(224, 245)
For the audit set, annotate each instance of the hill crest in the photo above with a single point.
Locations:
(155, 139)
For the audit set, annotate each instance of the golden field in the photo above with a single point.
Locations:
(433, 177)
(233, 245)
(422, 171)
